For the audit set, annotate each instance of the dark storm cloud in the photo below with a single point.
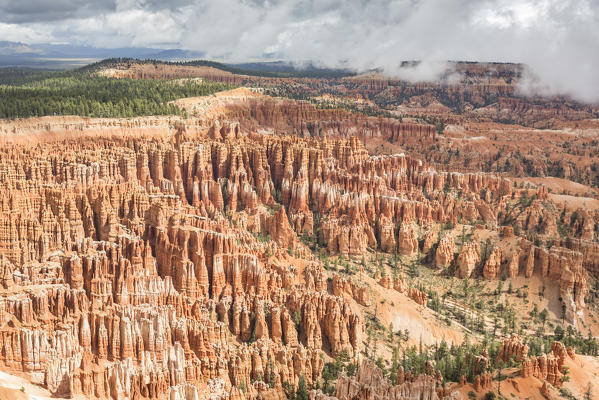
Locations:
(559, 39)
(14, 11)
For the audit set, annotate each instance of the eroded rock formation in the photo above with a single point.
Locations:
(445, 252)
(369, 384)
(142, 269)
(492, 267)
(547, 367)
(160, 257)
(468, 259)
(513, 348)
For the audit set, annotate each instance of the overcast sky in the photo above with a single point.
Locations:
(559, 39)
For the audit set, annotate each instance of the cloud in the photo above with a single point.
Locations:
(17, 33)
(557, 39)
(12, 11)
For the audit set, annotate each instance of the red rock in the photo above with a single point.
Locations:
(149, 257)
(369, 383)
(547, 367)
(482, 382)
(513, 266)
(508, 232)
(513, 347)
(445, 252)
(492, 267)
(418, 296)
(468, 259)
(430, 239)
(349, 289)
(407, 240)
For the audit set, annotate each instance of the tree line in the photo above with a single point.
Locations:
(78, 94)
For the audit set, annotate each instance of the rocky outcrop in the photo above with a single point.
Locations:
(513, 266)
(148, 253)
(565, 266)
(445, 252)
(400, 285)
(492, 267)
(429, 242)
(6, 272)
(589, 251)
(468, 259)
(369, 384)
(513, 348)
(508, 232)
(279, 229)
(407, 240)
(481, 363)
(308, 121)
(385, 281)
(418, 296)
(545, 391)
(482, 382)
(547, 367)
(348, 289)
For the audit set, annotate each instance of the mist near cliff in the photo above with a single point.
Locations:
(558, 40)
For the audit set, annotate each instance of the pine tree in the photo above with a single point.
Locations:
(302, 390)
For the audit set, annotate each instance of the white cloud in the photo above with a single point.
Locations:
(558, 39)
(25, 34)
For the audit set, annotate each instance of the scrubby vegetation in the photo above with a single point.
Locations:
(331, 370)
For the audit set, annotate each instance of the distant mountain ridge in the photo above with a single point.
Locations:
(63, 56)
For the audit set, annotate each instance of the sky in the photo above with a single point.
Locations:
(558, 39)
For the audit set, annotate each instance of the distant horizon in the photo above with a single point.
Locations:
(407, 70)
(558, 40)
(219, 59)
